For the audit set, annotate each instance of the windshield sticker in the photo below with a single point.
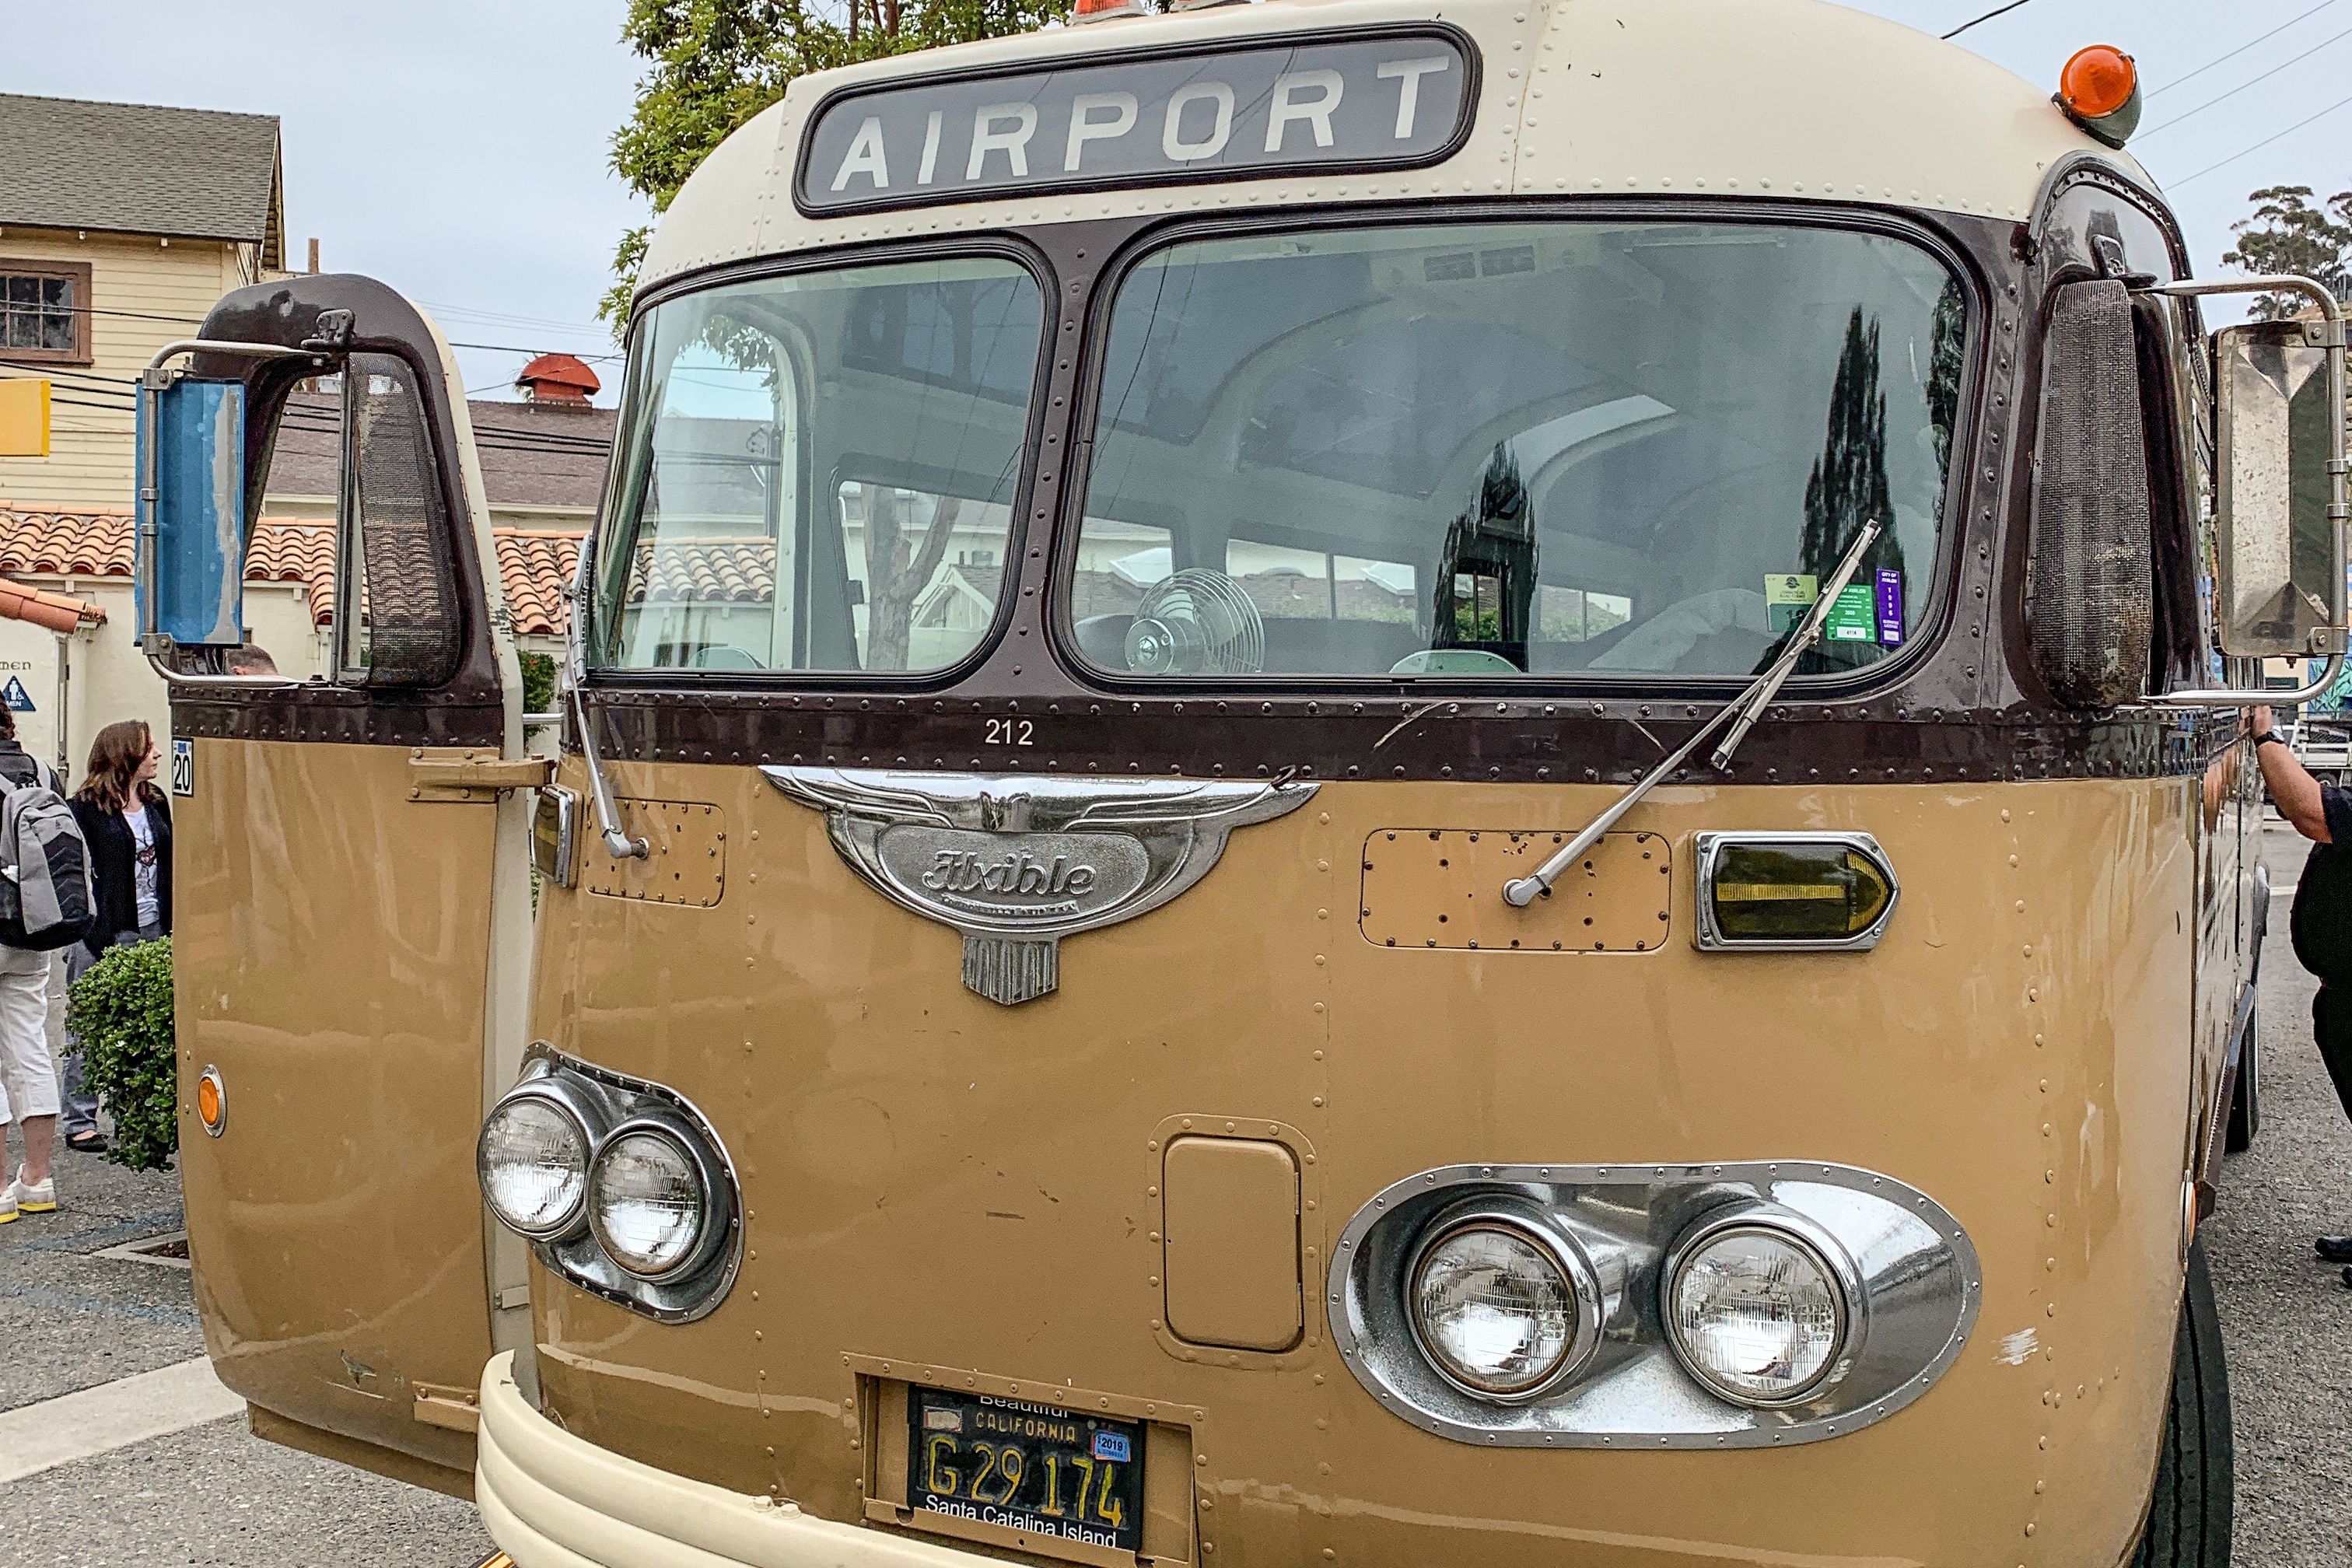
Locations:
(1890, 607)
(1787, 596)
(1852, 616)
(1396, 99)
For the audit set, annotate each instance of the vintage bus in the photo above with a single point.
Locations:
(1463, 785)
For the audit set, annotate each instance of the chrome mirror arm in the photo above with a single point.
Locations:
(1743, 710)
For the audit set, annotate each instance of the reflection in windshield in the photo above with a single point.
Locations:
(817, 471)
(1626, 448)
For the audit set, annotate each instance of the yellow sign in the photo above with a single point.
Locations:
(24, 417)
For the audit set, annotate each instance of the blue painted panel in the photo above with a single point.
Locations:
(199, 428)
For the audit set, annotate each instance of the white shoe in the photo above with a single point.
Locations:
(8, 1203)
(21, 1197)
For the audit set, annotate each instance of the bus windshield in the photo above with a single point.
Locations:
(1550, 448)
(816, 470)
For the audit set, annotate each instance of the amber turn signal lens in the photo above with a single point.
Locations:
(1097, 10)
(2099, 90)
(1797, 892)
(212, 1102)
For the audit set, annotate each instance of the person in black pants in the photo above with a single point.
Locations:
(2322, 923)
(126, 823)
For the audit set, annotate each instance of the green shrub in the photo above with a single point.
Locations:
(121, 1011)
(538, 682)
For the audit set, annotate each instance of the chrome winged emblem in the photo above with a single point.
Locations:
(1017, 862)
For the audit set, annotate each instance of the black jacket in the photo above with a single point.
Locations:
(112, 870)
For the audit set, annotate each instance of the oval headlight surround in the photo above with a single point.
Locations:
(649, 1200)
(1500, 1308)
(1760, 1312)
(533, 1160)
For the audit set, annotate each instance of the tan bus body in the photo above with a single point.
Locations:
(1070, 1038)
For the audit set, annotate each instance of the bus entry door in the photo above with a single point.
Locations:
(353, 892)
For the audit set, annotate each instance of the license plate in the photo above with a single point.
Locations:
(1057, 1473)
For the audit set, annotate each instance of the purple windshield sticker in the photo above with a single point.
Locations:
(1890, 608)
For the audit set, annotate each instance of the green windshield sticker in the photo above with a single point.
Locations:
(1854, 616)
(1787, 597)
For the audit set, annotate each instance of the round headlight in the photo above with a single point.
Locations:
(646, 1201)
(532, 1159)
(1493, 1310)
(1756, 1314)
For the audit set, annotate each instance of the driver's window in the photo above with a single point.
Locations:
(396, 615)
(817, 470)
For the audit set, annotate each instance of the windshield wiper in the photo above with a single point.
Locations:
(1742, 710)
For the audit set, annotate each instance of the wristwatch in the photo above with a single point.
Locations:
(2270, 736)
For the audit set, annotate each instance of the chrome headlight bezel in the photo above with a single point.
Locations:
(586, 1115)
(1577, 1277)
(1804, 1236)
(613, 1105)
(669, 1128)
(1914, 1273)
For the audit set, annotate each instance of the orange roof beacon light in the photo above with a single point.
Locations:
(1101, 10)
(2099, 90)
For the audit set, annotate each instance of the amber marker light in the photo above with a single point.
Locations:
(1102, 10)
(212, 1102)
(2099, 90)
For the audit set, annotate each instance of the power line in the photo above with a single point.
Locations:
(2298, 59)
(2240, 49)
(2265, 142)
(1998, 11)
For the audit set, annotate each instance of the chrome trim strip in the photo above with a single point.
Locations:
(1709, 935)
(1916, 1273)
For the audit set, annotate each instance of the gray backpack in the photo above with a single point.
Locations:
(44, 883)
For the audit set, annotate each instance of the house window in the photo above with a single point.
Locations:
(44, 312)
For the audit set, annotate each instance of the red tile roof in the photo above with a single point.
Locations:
(535, 566)
(59, 612)
(98, 544)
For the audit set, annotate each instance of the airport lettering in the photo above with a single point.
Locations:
(1257, 109)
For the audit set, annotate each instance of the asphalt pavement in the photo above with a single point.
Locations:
(76, 1315)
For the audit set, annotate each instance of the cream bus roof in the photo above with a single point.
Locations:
(1788, 99)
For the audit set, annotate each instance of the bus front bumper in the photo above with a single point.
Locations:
(553, 1500)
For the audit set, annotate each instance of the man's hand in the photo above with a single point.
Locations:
(2260, 721)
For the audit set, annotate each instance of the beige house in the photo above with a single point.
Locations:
(121, 225)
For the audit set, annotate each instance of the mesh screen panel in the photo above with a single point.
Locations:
(2090, 607)
(408, 611)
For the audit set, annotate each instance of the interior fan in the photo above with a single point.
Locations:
(1196, 622)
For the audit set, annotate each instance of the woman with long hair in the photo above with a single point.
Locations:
(126, 823)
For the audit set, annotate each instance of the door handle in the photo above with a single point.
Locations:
(471, 775)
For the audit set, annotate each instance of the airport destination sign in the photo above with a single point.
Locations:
(1398, 97)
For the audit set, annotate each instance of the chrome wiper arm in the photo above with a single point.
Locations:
(617, 842)
(1744, 710)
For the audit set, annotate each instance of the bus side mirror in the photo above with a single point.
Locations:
(2279, 589)
(190, 518)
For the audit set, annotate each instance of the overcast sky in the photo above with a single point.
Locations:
(457, 150)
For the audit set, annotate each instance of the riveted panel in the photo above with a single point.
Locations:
(1230, 1228)
(685, 861)
(1443, 887)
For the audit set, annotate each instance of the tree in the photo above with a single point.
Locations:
(2287, 234)
(716, 63)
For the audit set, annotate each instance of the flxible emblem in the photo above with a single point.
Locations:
(1017, 862)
